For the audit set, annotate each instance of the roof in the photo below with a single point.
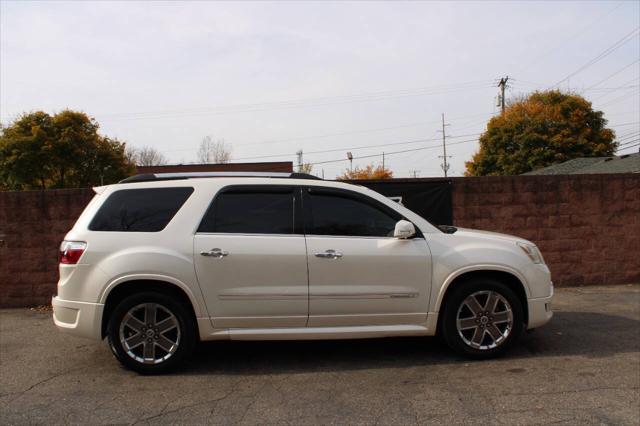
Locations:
(272, 166)
(154, 177)
(629, 163)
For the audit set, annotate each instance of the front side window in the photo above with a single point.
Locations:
(346, 215)
(251, 211)
(139, 210)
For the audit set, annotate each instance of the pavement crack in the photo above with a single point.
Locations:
(184, 407)
(20, 393)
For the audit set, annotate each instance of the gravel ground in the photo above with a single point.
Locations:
(582, 368)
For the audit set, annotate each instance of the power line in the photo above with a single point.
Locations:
(613, 89)
(612, 75)
(628, 135)
(624, 113)
(613, 101)
(626, 124)
(325, 151)
(631, 146)
(602, 54)
(621, 88)
(391, 153)
(629, 141)
(461, 118)
(354, 132)
(299, 103)
(529, 83)
(579, 32)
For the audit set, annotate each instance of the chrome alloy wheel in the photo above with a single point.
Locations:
(149, 333)
(484, 320)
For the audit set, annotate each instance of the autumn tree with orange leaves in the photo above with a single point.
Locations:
(542, 129)
(368, 172)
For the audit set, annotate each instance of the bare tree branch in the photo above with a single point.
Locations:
(213, 152)
(148, 156)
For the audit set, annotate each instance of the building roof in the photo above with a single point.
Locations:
(272, 166)
(629, 163)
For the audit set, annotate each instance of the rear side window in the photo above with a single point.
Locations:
(251, 211)
(139, 210)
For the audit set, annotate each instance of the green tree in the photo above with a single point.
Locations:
(23, 158)
(64, 150)
(542, 129)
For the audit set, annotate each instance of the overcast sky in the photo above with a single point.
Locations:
(273, 78)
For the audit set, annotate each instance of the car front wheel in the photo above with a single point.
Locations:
(150, 333)
(482, 318)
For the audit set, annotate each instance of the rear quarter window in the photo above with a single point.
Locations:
(139, 210)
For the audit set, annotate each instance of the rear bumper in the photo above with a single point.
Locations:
(78, 318)
(540, 311)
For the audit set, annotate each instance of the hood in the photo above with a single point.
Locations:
(464, 232)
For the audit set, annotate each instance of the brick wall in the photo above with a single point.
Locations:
(587, 226)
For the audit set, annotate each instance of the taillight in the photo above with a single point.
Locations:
(70, 251)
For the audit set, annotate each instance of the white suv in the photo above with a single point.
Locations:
(158, 262)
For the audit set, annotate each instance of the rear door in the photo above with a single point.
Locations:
(359, 274)
(250, 258)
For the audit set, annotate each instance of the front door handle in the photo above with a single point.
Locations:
(216, 252)
(329, 254)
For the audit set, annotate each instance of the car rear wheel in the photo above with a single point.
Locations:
(482, 318)
(150, 333)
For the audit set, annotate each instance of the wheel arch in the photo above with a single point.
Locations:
(123, 289)
(516, 283)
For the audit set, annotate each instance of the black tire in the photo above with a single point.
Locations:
(182, 334)
(464, 341)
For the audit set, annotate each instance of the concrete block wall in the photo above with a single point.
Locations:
(34, 223)
(587, 226)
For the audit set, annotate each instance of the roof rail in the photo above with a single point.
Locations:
(152, 177)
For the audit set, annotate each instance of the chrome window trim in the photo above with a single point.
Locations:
(243, 234)
(309, 235)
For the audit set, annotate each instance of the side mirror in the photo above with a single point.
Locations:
(404, 229)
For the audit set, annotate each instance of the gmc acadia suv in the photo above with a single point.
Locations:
(159, 262)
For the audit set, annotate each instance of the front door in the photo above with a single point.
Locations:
(250, 258)
(358, 273)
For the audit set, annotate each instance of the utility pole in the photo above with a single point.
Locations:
(299, 154)
(414, 173)
(502, 85)
(445, 164)
(350, 157)
(383, 160)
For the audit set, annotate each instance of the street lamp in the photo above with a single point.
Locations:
(350, 157)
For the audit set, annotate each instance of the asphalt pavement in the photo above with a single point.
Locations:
(582, 368)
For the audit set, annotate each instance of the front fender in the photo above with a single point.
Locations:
(439, 297)
(455, 255)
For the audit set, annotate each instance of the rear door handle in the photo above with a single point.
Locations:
(216, 252)
(329, 254)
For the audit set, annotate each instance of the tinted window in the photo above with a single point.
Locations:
(251, 212)
(139, 210)
(334, 214)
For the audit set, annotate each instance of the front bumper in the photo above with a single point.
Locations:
(78, 318)
(540, 311)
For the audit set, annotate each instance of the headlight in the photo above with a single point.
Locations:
(532, 251)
